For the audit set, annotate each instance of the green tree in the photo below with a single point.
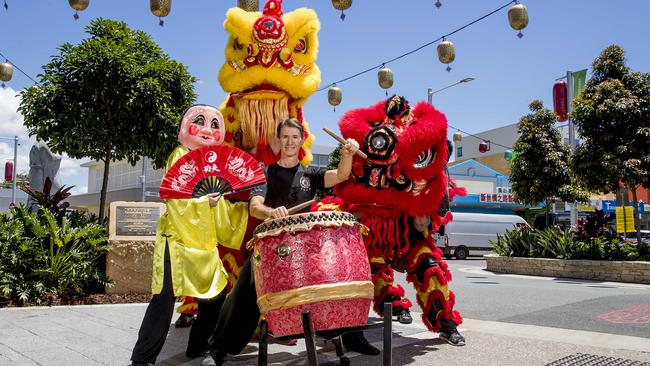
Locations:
(612, 117)
(116, 95)
(540, 171)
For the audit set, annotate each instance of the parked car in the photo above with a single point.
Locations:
(469, 234)
(645, 237)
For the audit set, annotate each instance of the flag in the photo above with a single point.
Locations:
(579, 80)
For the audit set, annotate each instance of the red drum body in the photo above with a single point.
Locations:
(314, 262)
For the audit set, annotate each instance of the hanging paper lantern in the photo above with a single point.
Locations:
(438, 4)
(446, 52)
(342, 5)
(560, 102)
(334, 96)
(385, 77)
(249, 5)
(507, 155)
(484, 146)
(160, 8)
(518, 18)
(9, 171)
(458, 137)
(78, 5)
(6, 72)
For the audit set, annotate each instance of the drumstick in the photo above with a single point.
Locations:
(297, 208)
(342, 141)
(300, 207)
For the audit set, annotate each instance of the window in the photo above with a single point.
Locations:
(459, 151)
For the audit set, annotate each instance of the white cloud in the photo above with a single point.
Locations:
(79, 190)
(12, 124)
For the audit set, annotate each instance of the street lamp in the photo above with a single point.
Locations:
(431, 92)
(13, 187)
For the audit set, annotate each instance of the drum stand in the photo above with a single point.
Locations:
(334, 335)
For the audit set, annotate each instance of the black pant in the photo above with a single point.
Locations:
(158, 317)
(203, 326)
(239, 315)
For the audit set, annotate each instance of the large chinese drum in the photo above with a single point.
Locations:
(314, 262)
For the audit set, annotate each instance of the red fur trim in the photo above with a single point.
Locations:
(454, 190)
(391, 291)
(446, 311)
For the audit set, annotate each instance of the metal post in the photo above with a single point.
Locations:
(388, 334)
(13, 188)
(430, 95)
(572, 137)
(143, 177)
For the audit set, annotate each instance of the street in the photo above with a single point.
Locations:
(610, 307)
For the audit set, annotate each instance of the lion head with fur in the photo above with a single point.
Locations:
(270, 71)
(407, 152)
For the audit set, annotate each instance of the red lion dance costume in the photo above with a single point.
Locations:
(402, 182)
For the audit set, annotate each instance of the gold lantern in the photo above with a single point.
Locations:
(446, 52)
(160, 8)
(334, 96)
(78, 5)
(342, 5)
(385, 77)
(458, 137)
(6, 72)
(518, 17)
(249, 5)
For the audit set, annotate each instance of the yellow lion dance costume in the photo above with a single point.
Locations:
(270, 71)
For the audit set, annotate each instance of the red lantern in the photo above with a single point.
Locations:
(9, 171)
(560, 100)
(484, 146)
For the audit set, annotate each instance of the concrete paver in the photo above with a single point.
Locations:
(105, 335)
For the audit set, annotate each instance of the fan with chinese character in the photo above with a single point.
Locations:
(212, 169)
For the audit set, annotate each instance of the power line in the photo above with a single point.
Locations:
(19, 69)
(418, 48)
(479, 138)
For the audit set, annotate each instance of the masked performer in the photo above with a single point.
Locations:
(397, 192)
(186, 260)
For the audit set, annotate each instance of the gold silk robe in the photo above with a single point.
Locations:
(192, 229)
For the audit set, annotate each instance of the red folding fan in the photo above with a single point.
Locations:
(211, 169)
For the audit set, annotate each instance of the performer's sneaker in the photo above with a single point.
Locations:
(452, 337)
(214, 358)
(184, 321)
(404, 317)
(357, 342)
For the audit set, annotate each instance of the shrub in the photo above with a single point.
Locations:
(516, 243)
(39, 255)
(555, 243)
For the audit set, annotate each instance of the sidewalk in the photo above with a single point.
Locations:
(105, 335)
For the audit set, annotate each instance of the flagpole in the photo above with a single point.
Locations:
(572, 137)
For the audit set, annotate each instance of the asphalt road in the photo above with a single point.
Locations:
(606, 307)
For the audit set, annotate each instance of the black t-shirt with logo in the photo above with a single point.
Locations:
(282, 189)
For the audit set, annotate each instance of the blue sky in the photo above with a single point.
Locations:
(510, 72)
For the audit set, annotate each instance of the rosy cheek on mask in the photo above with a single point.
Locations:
(194, 130)
(217, 135)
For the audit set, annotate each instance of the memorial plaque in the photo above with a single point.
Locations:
(134, 220)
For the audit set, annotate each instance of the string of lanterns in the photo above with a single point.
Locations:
(517, 18)
(484, 146)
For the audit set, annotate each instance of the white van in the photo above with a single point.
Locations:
(470, 233)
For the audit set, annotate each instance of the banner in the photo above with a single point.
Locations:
(625, 221)
(579, 80)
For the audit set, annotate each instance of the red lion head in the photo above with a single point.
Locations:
(407, 153)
